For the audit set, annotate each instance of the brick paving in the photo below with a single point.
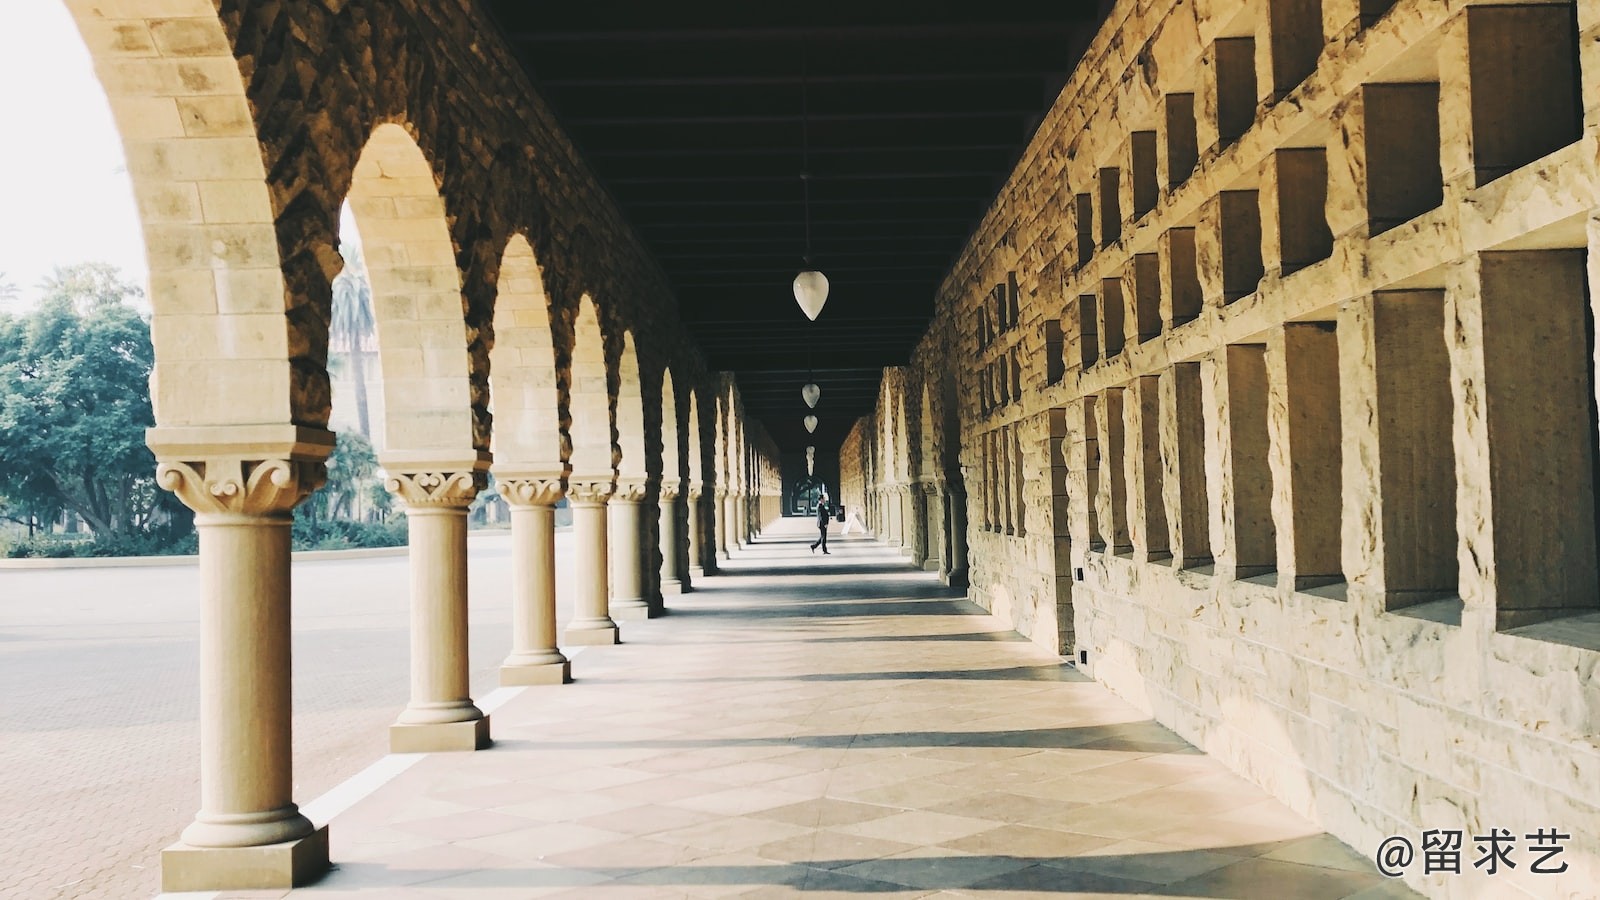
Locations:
(99, 693)
(810, 727)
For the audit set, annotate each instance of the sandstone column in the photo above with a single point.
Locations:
(441, 715)
(725, 524)
(628, 600)
(592, 624)
(671, 579)
(534, 657)
(697, 564)
(248, 832)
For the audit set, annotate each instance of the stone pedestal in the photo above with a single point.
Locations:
(628, 590)
(593, 624)
(534, 658)
(248, 833)
(441, 715)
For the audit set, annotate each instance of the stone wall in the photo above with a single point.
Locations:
(1276, 404)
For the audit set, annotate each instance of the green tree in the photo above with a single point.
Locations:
(74, 404)
(354, 327)
(8, 291)
(350, 468)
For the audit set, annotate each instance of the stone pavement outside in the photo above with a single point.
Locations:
(99, 693)
(827, 726)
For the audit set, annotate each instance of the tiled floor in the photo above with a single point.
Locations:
(828, 726)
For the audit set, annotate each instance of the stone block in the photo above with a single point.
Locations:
(273, 867)
(440, 737)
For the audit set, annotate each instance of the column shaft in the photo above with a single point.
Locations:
(534, 657)
(697, 561)
(593, 624)
(441, 714)
(628, 585)
(245, 735)
(671, 577)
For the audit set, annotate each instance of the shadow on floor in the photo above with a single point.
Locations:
(1143, 736)
(1051, 672)
(1221, 872)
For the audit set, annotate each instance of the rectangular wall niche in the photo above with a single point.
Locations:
(1085, 222)
(1239, 226)
(1252, 540)
(1524, 81)
(1182, 144)
(1236, 87)
(1110, 206)
(1089, 329)
(1146, 186)
(1054, 363)
(1183, 466)
(1300, 178)
(1182, 297)
(1295, 27)
(1401, 130)
(1416, 478)
(1113, 331)
(1538, 398)
(1307, 452)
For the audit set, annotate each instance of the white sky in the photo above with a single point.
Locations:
(64, 190)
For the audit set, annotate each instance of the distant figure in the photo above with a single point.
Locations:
(824, 513)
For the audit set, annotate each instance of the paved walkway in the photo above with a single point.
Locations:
(827, 726)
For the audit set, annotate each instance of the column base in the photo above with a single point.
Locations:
(930, 565)
(290, 864)
(440, 737)
(631, 610)
(592, 636)
(542, 673)
(671, 586)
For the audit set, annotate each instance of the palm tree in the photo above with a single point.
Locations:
(354, 326)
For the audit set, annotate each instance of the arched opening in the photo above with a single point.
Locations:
(630, 413)
(527, 400)
(672, 470)
(417, 305)
(695, 492)
(588, 419)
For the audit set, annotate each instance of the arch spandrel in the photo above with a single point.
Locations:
(423, 334)
(527, 422)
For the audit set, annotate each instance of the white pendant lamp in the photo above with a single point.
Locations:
(811, 292)
(811, 394)
(810, 286)
(811, 460)
(811, 423)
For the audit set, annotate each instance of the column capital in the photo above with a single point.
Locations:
(671, 490)
(591, 488)
(930, 486)
(531, 490)
(242, 487)
(437, 489)
(695, 492)
(632, 490)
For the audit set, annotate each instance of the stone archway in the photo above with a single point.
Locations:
(671, 572)
(431, 456)
(631, 593)
(696, 489)
(530, 460)
(593, 480)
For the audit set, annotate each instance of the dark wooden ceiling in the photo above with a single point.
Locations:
(694, 114)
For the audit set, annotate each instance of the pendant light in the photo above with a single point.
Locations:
(811, 394)
(811, 424)
(811, 460)
(810, 286)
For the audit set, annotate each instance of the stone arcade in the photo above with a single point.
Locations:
(1264, 391)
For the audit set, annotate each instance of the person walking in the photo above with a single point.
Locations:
(824, 513)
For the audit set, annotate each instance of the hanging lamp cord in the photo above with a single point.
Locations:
(805, 145)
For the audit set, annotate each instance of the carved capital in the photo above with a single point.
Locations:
(590, 490)
(532, 491)
(436, 489)
(670, 490)
(631, 490)
(695, 493)
(242, 487)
